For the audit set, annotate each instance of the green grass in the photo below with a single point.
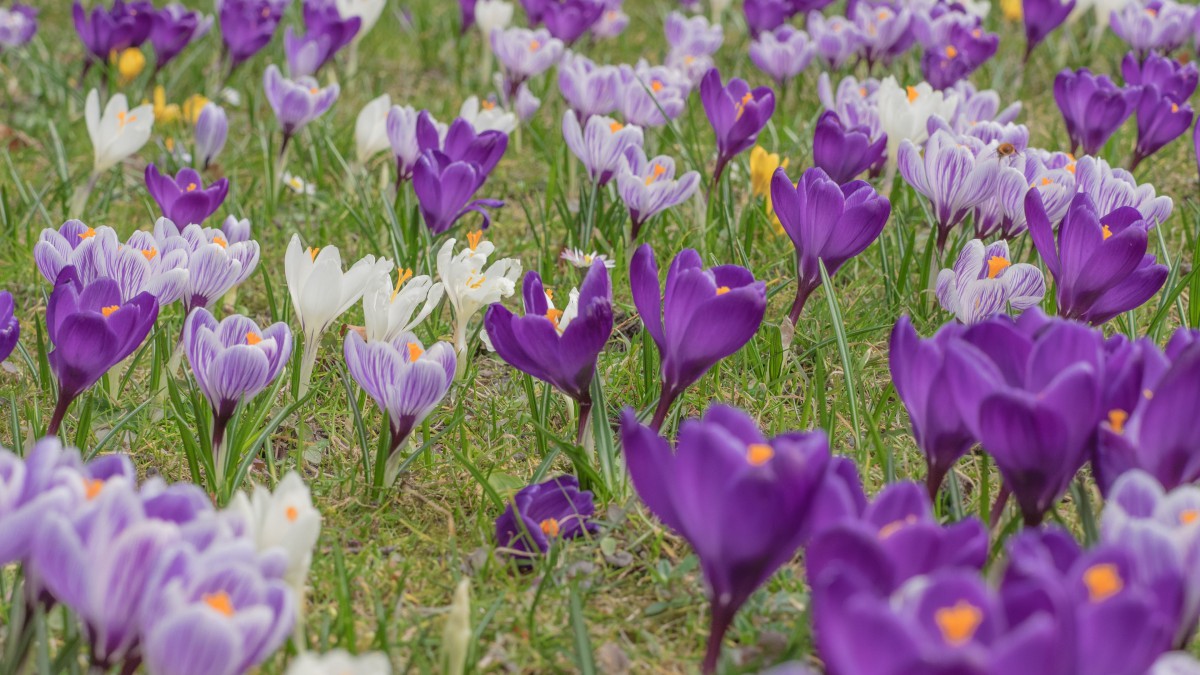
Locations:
(386, 567)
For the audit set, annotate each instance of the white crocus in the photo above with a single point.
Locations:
(904, 112)
(321, 292)
(298, 185)
(284, 519)
(119, 132)
(370, 130)
(487, 116)
(340, 662)
(390, 311)
(470, 287)
(367, 11)
(492, 15)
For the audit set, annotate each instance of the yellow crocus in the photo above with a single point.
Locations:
(130, 63)
(164, 112)
(192, 107)
(762, 166)
(1012, 9)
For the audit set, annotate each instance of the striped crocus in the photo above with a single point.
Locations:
(737, 114)
(524, 53)
(296, 102)
(600, 144)
(215, 265)
(649, 187)
(184, 199)
(406, 381)
(985, 282)
(651, 96)
(1111, 188)
(1161, 26)
(951, 176)
(212, 129)
(783, 53)
(18, 25)
(327, 32)
(10, 328)
(588, 88)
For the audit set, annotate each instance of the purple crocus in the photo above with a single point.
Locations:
(844, 152)
(884, 29)
(233, 361)
(296, 102)
(92, 330)
(1099, 262)
(1041, 18)
(212, 129)
(247, 26)
(104, 31)
(722, 474)
(402, 136)
(184, 199)
(958, 52)
(466, 13)
(691, 36)
(703, 316)
(461, 143)
(951, 175)
(10, 328)
(737, 113)
(445, 190)
(765, 16)
(652, 96)
(828, 224)
(18, 25)
(47, 480)
(524, 53)
(600, 144)
(1093, 107)
(175, 27)
(405, 380)
(556, 346)
(985, 282)
(1174, 79)
(588, 88)
(569, 20)
(1112, 188)
(836, 37)
(1161, 26)
(541, 514)
(649, 187)
(327, 32)
(215, 265)
(782, 54)
(1160, 120)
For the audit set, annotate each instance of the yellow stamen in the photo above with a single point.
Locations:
(313, 90)
(862, 91)
(659, 170)
(1117, 419)
(1148, 394)
(722, 290)
(292, 513)
(655, 85)
(253, 338)
(88, 233)
(883, 14)
(912, 94)
(958, 623)
(615, 127)
(1103, 581)
(110, 310)
(220, 241)
(92, 488)
(477, 284)
(219, 601)
(550, 291)
(1188, 517)
(951, 51)
(758, 454)
(549, 527)
(191, 187)
(996, 265)
(1070, 167)
(487, 105)
(149, 253)
(1046, 180)
(554, 315)
(534, 45)
(473, 239)
(1105, 232)
(312, 251)
(401, 277)
(895, 526)
(1174, 107)
(414, 351)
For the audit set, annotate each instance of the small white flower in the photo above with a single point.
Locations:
(231, 96)
(487, 116)
(320, 290)
(391, 311)
(580, 259)
(368, 12)
(492, 15)
(469, 286)
(283, 519)
(119, 133)
(904, 112)
(370, 130)
(299, 185)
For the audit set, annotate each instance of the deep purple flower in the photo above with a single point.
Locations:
(588, 88)
(248, 25)
(649, 187)
(460, 143)
(765, 16)
(963, 50)
(1174, 79)
(1092, 107)
(184, 199)
(601, 144)
(1041, 18)
(1160, 120)
(703, 316)
(534, 9)
(722, 475)
(737, 113)
(828, 224)
(18, 24)
(884, 29)
(542, 514)
(10, 328)
(175, 27)
(104, 31)
(296, 102)
(557, 346)
(466, 13)
(951, 175)
(844, 152)
(446, 189)
(92, 330)
(568, 20)
(327, 32)
(782, 54)
(212, 129)
(1099, 262)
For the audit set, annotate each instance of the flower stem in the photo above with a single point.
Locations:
(998, 505)
(934, 476)
(60, 411)
(722, 617)
(219, 455)
(664, 406)
(585, 415)
(716, 179)
(802, 292)
(80, 198)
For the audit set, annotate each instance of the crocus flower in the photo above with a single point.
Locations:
(445, 190)
(951, 176)
(18, 24)
(588, 88)
(366, 11)
(649, 187)
(1161, 26)
(743, 477)
(73, 244)
(92, 330)
(578, 258)
(462, 142)
(612, 22)
(405, 380)
(704, 316)
(985, 282)
(1160, 120)
(651, 96)
(692, 35)
(174, 28)
(904, 112)
(492, 15)
(1100, 263)
(247, 26)
(601, 144)
(233, 360)
(402, 136)
(296, 102)
(827, 223)
(1110, 189)
(104, 31)
(959, 52)
(737, 113)
(281, 520)
(836, 38)
(1174, 79)
(390, 311)
(782, 54)
(523, 54)
(10, 328)
(49, 479)
(370, 129)
(215, 265)
(237, 230)
(568, 20)
(1041, 17)
(541, 514)
(212, 129)
(327, 32)
(469, 286)
(485, 116)
(184, 199)
(553, 346)
(321, 292)
(884, 29)
(845, 152)
(340, 661)
(117, 134)
(1093, 108)
(765, 16)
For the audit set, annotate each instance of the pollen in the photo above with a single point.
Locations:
(291, 513)
(534, 45)
(92, 488)
(1103, 581)
(401, 277)
(912, 94)
(253, 338)
(219, 601)
(882, 15)
(220, 241)
(1174, 107)
(191, 187)
(108, 311)
(951, 51)
(958, 623)
(656, 85)
(473, 239)
(659, 170)
(722, 290)
(150, 253)
(1188, 516)
(554, 315)
(487, 105)
(996, 265)
(550, 527)
(313, 90)
(895, 526)
(1046, 180)
(88, 233)
(414, 351)
(312, 252)
(1117, 419)
(758, 454)
(1070, 167)
(615, 127)
(1105, 232)
(862, 91)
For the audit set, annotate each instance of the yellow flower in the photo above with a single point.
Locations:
(164, 112)
(1012, 9)
(762, 166)
(130, 64)
(192, 107)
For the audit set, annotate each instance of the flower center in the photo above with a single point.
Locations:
(615, 127)
(656, 85)
(108, 311)
(191, 187)
(1103, 581)
(473, 239)
(401, 277)
(1188, 517)
(291, 513)
(1117, 419)
(220, 241)
(92, 488)
(996, 265)
(758, 454)
(549, 527)
(88, 233)
(253, 338)
(414, 351)
(958, 623)
(554, 315)
(313, 90)
(895, 526)
(951, 51)
(219, 601)
(1046, 180)
(659, 170)
(722, 290)
(534, 45)
(913, 94)
(487, 105)
(312, 252)
(1105, 232)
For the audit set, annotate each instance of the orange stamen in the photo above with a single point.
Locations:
(758, 454)
(550, 527)
(219, 601)
(1103, 581)
(414, 351)
(473, 238)
(108, 311)
(253, 338)
(996, 265)
(958, 623)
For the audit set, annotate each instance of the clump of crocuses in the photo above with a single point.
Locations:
(1093, 107)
